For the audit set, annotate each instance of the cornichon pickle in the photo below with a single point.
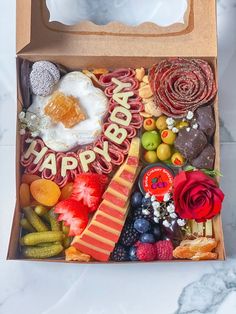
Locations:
(55, 225)
(47, 244)
(42, 252)
(46, 217)
(34, 220)
(67, 242)
(41, 237)
(65, 229)
(26, 225)
(40, 210)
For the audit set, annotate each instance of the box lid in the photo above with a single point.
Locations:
(196, 37)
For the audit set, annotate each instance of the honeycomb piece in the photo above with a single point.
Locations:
(64, 109)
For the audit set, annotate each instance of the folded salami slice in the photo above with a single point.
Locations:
(180, 85)
(136, 105)
(33, 168)
(120, 74)
(124, 147)
(117, 157)
(101, 166)
(26, 162)
(134, 85)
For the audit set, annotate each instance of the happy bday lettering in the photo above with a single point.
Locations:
(120, 116)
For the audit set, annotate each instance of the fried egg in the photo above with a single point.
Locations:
(91, 100)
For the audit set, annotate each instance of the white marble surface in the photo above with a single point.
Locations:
(42, 288)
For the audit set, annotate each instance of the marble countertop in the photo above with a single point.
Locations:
(49, 288)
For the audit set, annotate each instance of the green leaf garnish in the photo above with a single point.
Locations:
(211, 173)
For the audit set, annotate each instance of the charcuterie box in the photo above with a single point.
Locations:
(117, 144)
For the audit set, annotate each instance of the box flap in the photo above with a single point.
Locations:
(195, 37)
(23, 24)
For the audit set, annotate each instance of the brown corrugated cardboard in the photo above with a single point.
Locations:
(86, 46)
(195, 38)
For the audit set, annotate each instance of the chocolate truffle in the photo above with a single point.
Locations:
(206, 120)
(206, 158)
(190, 142)
(43, 77)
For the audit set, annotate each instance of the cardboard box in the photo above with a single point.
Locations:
(113, 46)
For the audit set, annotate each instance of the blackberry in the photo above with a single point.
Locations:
(138, 214)
(119, 254)
(129, 235)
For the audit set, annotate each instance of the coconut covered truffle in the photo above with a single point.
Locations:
(190, 143)
(206, 120)
(43, 77)
(206, 159)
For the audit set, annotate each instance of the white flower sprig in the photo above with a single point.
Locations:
(163, 211)
(31, 122)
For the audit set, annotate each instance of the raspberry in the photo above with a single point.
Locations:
(146, 252)
(164, 250)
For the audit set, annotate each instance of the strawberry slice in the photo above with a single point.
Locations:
(74, 214)
(89, 188)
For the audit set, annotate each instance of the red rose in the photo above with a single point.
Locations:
(196, 196)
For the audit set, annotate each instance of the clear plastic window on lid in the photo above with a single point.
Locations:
(129, 12)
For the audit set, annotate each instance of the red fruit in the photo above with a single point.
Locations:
(74, 214)
(164, 250)
(146, 252)
(89, 188)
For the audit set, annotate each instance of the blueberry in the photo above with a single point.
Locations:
(146, 202)
(156, 230)
(147, 238)
(142, 225)
(136, 199)
(132, 253)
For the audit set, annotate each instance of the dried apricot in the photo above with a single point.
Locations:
(34, 203)
(66, 191)
(46, 192)
(29, 178)
(24, 195)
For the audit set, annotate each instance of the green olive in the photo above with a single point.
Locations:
(161, 123)
(177, 159)
(182, 124)
(149, 124)
(150, 140)
(168, 137)
(164, 152)
(150, 156)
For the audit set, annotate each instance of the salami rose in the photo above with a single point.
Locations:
(181, 85)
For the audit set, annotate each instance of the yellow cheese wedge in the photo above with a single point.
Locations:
(99, 238)
(121, 209)
(116, 193)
